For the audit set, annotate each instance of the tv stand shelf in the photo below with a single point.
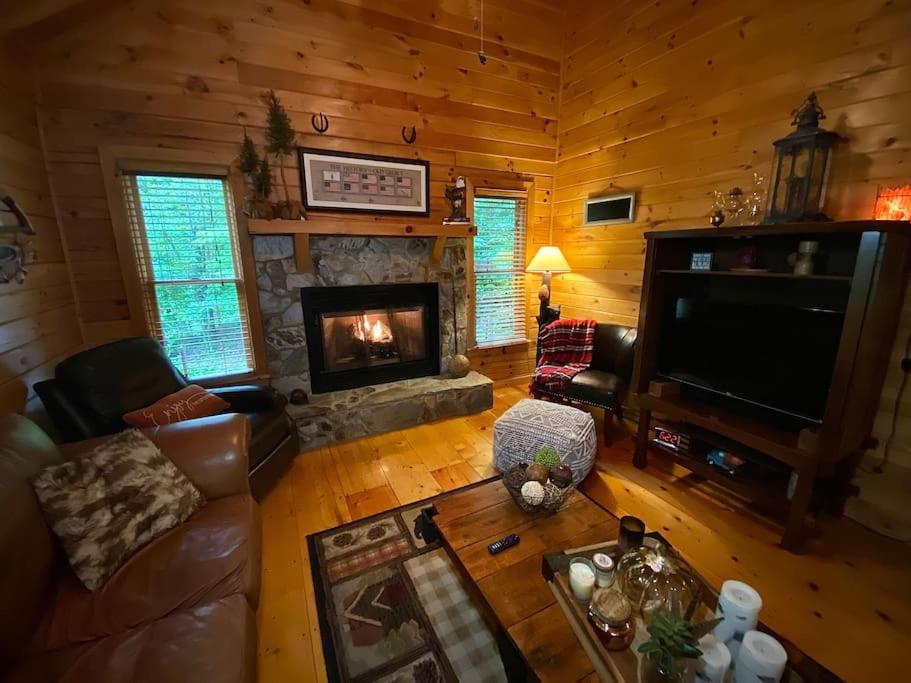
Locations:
(771, 496)
(775, 442)
(779, 370)
(754, 273)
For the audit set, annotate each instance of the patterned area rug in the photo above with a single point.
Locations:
(393, 608)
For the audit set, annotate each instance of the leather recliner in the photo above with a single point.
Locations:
(93, 389)
(604, 383)
(181, 609)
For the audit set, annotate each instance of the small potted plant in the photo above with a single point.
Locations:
(673, 641)
(280, 142)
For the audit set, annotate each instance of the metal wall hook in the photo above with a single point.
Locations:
(25, 225)
(410, 137)
(320, 125)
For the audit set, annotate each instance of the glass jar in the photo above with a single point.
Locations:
(611, 615)
(655, 580)
(604, 570)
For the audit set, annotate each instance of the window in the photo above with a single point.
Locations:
(499, 264)
(185, 240)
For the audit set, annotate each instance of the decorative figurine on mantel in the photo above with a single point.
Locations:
(456, 195)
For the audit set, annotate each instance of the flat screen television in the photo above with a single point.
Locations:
(779, 357)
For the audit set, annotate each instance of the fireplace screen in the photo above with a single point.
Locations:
(371, 334)
(366, 339)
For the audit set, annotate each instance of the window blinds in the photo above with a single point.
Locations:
(499, 262)
(188, 257)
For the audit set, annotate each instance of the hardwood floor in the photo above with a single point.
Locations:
(850, 589)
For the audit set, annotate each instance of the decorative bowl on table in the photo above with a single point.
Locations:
(536, 487)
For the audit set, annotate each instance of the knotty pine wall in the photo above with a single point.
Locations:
(190, 76)
(38, 322)
(676, 98)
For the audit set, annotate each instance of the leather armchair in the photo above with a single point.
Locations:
(92, 390)
(604, 384)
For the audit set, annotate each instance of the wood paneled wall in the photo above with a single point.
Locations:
(38, 323)
(678, 98)
(191, 76)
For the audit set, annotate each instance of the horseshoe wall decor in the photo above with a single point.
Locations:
(320, 125)
(410, 137)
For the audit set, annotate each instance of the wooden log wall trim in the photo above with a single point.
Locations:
(678, 99)
(38, 321)
(182, 75)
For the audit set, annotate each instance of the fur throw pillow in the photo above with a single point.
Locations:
(107, 504)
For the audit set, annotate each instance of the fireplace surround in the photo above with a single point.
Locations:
(344, 261)
(371, 334)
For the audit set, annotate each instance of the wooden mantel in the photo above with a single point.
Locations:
(385, 227)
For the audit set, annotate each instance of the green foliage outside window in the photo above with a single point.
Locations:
(499, 270)
(194, 274)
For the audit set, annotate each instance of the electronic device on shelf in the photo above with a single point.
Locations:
(503, 544)
(672, 439)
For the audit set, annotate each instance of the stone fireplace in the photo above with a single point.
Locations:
(366, 267)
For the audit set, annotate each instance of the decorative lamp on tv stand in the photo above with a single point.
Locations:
(547, 261)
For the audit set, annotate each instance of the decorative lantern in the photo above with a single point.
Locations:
(801, 168)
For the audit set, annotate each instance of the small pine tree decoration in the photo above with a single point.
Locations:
(279, 135)
(248, 162)
(262, 179)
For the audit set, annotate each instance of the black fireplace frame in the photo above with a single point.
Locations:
(317, 300)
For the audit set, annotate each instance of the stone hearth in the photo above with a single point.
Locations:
(342, 415)
(346, 260)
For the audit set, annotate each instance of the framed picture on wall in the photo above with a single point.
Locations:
(342, 181)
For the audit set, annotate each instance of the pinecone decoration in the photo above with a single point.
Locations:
(515, 477)
(553, 496)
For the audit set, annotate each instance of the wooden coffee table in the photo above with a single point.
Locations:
(508, 587)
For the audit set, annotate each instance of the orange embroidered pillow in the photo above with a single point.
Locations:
(187, 404)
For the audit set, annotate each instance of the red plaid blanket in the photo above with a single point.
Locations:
(566, 350)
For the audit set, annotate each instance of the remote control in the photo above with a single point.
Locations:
(503, 544)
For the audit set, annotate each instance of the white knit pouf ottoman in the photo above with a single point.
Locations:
(531, 424)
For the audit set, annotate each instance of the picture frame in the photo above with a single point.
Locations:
(363, 183)
(617, 208)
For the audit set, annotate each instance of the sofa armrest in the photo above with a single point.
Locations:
(251, 398)
(211, 451)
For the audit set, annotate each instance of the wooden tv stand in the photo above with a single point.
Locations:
(863, 267)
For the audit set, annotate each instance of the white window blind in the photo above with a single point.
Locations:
(185, 239)
(499, 264)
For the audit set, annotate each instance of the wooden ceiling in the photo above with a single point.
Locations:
(27, 22)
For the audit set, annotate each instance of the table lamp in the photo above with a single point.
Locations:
(547, 261)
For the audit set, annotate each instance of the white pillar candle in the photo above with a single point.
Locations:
(582, 579)
(715, 660)
(761, 659)
(739, 605)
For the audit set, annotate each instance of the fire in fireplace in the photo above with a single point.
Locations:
(370, 334)
(366, 339)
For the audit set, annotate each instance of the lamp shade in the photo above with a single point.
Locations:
(548, 260)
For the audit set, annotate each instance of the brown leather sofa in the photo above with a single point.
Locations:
(180, 609)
